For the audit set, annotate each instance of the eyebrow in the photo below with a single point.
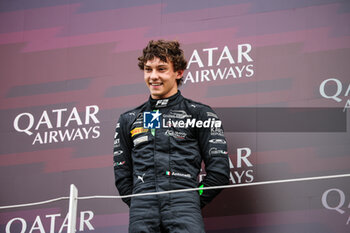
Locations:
(161, 65)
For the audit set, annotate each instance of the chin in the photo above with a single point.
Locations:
(157, 93)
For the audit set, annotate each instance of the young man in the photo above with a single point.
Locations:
(159, 146)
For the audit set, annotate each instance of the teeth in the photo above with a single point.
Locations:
(154, 84)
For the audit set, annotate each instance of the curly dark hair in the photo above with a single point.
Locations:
(166, 51)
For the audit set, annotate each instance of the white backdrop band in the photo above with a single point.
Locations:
(184, 190)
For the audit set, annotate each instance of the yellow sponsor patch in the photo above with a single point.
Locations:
(137, 131)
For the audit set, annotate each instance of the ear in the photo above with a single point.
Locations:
(180, 73)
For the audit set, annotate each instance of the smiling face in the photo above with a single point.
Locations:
(160, 78)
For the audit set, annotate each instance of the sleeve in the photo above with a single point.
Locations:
(122, 161)
(213, 149)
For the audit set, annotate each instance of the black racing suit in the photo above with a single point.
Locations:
(169, 158)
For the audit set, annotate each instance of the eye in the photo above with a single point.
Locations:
(148, 70)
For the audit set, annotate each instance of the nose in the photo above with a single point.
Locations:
(154, 74)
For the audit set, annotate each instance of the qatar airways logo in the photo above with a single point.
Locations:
(214, 64)
(334, 89)
(337, 200)
(49, 223)
(59, 125)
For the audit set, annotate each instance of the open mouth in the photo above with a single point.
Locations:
(156, 84)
